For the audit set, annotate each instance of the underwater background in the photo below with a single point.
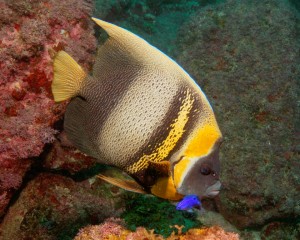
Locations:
(244, 54)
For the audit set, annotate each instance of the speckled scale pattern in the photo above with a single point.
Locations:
(138, 114)
(132, 101)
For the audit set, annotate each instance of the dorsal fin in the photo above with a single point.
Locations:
(116, 32)
(134, 48)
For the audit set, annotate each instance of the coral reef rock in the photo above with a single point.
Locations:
(55, 207)
(245, 55)
(30, 31)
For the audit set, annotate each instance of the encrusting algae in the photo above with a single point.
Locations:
(113, 229)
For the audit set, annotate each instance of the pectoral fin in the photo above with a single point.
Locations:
(164, 188)
(162, 167)
(129, 185)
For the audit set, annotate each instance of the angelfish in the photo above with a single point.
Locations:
(140, 111)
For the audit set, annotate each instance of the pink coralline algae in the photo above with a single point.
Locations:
(67, 158)
(113, 229)
(30, 33)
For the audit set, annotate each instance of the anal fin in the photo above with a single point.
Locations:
(129, 185)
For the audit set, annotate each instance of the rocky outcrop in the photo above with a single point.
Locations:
(245, 55)
(30, 31)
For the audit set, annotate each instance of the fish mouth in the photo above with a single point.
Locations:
(213, 190)
(213, 193)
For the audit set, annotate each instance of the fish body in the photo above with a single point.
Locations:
(140, 111)
(189, 202)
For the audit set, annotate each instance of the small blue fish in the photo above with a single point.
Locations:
(188, 202)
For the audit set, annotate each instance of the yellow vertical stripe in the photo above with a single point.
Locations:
(179, 169)
(176, 131)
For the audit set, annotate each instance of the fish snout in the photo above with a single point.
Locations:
(213, 190)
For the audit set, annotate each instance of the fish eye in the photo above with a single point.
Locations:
(205, 169)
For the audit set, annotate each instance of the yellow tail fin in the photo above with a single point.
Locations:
(68, 77)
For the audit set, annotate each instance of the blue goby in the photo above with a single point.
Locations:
(189, 202)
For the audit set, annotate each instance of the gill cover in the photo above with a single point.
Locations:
(198, 169)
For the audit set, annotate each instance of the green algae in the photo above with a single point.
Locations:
(158, 214)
